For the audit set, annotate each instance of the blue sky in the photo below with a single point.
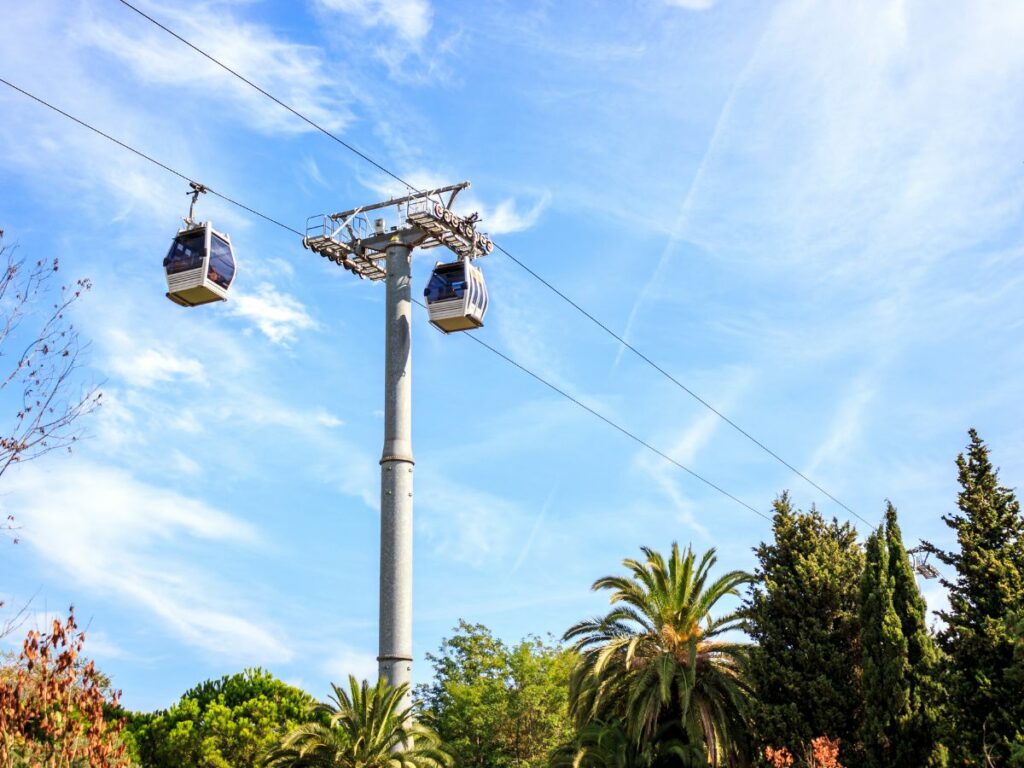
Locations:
(810, 213)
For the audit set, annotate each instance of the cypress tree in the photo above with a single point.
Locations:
(885, 667)
(802, 613)
(901, 696)
(985, 700)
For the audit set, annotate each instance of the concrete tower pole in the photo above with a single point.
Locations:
(396, 473)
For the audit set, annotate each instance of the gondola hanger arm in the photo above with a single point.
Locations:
(197, 190)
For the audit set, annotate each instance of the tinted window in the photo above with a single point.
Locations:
(187, 252)
(222, 263)
(446, 284)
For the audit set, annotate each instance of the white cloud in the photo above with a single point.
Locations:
(100, 645)
(149, 366)
(692, 5)
(847, 425)
(465, 524)
(501, 218)
(326, 419)
(386, 187)
(936, 597)
(686, 447)
(185, 465)
(668, 477)
(112, 533)
(538, 523)
(409, 19)
(278, 315)
(296, 74)
(350, 661)
(506, 216)
(863, 137)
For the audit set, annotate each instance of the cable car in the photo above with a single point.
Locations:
(456, 296)
(200, 265)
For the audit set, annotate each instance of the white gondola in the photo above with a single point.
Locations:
(200, 265)
(456, 296)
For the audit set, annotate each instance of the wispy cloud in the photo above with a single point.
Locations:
(692, 5)
(409, 19)
(505, 216)
(847, 425)
(348, 660)
(465, 524)
(297, 74)
(148, 366)
(686, 447)
(278, 315)
(678, 230)
(108, 531)
(538, 523)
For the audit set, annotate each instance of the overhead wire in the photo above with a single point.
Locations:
(143, 155)
(533, 273)
(497, 352)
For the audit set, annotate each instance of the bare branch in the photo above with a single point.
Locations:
(40, 353)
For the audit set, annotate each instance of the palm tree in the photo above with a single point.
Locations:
(658, 659)
(606, 745)
(367, 729)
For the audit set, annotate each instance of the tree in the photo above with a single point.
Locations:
(39, 357)
(884, 682)
(902, 696)
(366, 729)
(54, 705)
(988, 591)
(658, 658)
(917, 735)
(225, 723)
(607, 745)
(498, 706)
(1015, 676)
(802, 612)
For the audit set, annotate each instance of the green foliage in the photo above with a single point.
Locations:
(1015, 677)
(366, 728)
(901, 696)
(885, 656)
(803, 613)
(607, 745)
(498, 706)
(985, 699)
(658, 659)
(226, 723)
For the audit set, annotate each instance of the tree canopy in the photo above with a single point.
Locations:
(366, 728)
(985, 596)
(659, 659)
(225, 723)
(496, 705)
(803, 614)
(901, 694)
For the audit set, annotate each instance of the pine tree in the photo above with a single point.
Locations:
(986, 703)
(901, 696)
(803, 615)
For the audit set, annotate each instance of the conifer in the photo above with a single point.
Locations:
(901, 696)
(803, 615)
(986, 595)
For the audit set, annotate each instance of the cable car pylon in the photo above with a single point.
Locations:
(456, 301)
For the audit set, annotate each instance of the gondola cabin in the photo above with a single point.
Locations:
(200, 266)
(456, 297)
